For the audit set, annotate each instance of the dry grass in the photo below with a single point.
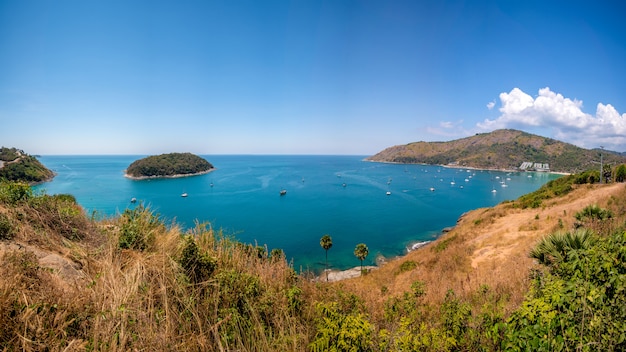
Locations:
(487, 247)
(100, 297)
(142, 300)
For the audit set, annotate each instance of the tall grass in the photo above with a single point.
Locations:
(142, 297)
(134, 283)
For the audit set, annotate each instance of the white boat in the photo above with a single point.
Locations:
(283, 192)
(133, 200)
(388, 193)
(184, 195)
(432, 189)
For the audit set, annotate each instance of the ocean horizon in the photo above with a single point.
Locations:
(389, 207)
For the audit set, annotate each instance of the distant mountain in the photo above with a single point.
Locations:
(500, 149)
(16, 165)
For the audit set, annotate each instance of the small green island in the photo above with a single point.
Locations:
(168, 165)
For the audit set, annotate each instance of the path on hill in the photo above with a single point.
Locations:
(519, 231)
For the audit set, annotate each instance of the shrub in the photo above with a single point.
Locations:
(198, 266)
(579, 307)
(408, 266)
(138, 227)
(337, 331)
(6, 227)
(14, 192)
(443, 244)
(593, 212)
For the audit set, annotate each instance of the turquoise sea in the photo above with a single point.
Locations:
(343, 196)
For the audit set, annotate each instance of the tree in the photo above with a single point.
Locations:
(620, 173)
(326, 242)
(361, 252)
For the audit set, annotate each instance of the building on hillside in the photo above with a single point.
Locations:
(532, 166)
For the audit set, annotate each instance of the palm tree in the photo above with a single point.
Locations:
(555, 248)
(326, 242)
(361, 252)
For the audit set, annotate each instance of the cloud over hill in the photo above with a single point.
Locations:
(563, 116)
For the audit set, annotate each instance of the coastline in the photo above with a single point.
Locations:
(338, 275)
(139, 178)
(448, 166)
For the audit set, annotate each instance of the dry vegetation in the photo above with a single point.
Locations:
(488, 248)
(133, 283)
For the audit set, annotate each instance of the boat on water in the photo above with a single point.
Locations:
(432, 189)
(133, 200)
(283, 192)
(388, 193)
(184, 195)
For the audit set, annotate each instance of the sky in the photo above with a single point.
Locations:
(306, 77)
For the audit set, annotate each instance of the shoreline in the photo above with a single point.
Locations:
(139, 178)
(448, 166)
(339, 275)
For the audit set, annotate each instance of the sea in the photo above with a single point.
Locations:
(392, 208)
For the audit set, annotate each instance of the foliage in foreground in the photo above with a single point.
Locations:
(140, 285)
(578, 303)
(143, 285)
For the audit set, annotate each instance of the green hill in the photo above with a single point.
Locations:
(500, 149)
(169, 165)
(15, 165)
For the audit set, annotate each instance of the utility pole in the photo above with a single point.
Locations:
(601, 166)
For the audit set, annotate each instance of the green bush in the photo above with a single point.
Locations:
(551, 189)
(408, 266)
(198, 266)
(443, 244)
(592, 213)
(138, 228)
(6, 227)
(580, 306)
(337, 331)
(14, 192)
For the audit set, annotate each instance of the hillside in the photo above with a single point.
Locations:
(69, 282)
(168, 165)
(16, 165)
(500, 149)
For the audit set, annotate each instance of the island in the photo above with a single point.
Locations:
(168, 166)
(18, 166)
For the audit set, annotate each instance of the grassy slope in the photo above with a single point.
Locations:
(66, 284)
(489, 246)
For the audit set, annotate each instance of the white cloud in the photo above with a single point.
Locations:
(446, 124)
(564, 117)
(491, 104)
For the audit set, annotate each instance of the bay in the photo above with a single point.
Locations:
(343, 196)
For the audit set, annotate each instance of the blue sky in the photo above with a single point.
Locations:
(306, 77)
